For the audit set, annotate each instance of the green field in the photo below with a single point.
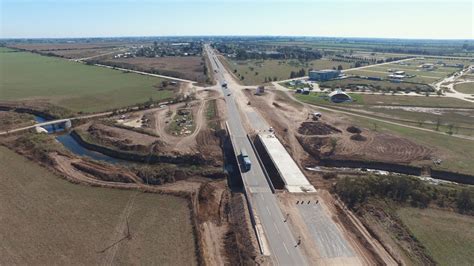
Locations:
(6, 50)
(391, 100)
(280, 69)
(49, 221)
(447, 236)
(465, 87)
(376, 85)
(421, 76)
(462, 120)
(321, 98)
(74, 86)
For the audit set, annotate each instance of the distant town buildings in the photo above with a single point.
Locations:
(323, 75)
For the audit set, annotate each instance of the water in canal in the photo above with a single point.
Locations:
(72, 145)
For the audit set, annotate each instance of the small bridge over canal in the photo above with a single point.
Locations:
(65, 122)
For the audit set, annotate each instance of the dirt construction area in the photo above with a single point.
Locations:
(332, 136)
(163, 130)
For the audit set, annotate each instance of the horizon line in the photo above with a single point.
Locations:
(237, 35)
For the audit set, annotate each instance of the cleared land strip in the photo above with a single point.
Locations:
(144, 73)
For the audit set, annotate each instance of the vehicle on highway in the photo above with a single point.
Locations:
(245, 160)
(224, 85)
(228, 94)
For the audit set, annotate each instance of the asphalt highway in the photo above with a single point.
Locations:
(281, 242)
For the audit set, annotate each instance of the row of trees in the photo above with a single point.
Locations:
(403, 189)
(297, 74)
(244, 52)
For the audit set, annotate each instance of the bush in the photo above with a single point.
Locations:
(330, 175)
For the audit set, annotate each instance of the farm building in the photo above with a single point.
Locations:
(338, 96)
(323, 75)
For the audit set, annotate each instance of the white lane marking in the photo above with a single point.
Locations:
(268, 210)
(285, 248)
(276, 227)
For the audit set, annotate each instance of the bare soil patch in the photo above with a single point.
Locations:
(186, 67)
(119, 138)
(382, 147)
(317, 128)
(358, 137)
(63, 46)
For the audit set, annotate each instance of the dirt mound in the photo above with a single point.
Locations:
(354, 130)
(106, 173)
(315, 146)
(317, 128)
(211, 196)
(358, 137)
(122, 139)
(208, 145)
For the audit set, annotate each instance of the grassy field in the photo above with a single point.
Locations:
(321, 98)
(408, 110)
(391, 100)
(465, 87)
(421, 76)
(457, 154)
(74, 86)
(49, 221)
(447, 236)
(6, 50)
(462, 120)
(280, 69)
(375, 85)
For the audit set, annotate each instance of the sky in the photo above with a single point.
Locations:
(420, 19)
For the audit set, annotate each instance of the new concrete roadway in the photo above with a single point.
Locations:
(281, 242)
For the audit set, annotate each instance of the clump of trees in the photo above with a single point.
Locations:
(243, 51)
(297, 74)
(355, 191)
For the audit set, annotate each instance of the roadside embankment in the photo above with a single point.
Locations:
(400, 168)
(195, 159)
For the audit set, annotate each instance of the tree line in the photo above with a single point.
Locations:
(404, 190)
